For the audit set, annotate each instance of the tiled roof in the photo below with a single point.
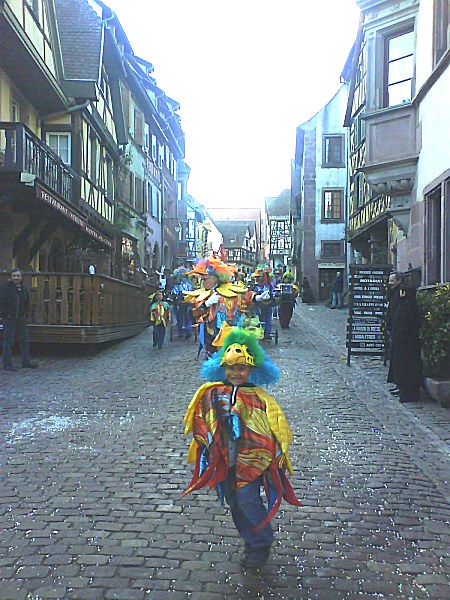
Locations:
(80, 33)
(280, 205)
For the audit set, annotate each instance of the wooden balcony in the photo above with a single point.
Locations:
(21, 151)
(69, 308)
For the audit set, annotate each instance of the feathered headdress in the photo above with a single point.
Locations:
(214, 266)
(264, 371)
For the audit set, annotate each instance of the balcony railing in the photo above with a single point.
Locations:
(81, 308)
(21, 151)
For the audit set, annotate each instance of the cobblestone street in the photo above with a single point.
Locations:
(93, 461)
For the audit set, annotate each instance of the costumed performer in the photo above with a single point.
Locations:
(288, 293)
(240, 440)
(218, 301)
(160, 317)
(182, 309)
(265, 286)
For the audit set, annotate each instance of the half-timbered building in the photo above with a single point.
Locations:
(399, 124)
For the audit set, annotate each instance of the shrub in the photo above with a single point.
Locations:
(435, 332)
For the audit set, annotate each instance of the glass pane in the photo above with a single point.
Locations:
(399, 93)
(401, 45)
(400, 70)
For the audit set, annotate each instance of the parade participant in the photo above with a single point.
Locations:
(288, 293)
(218, 301)
(160, 317)
(264, 285)
(240, 440)
(182, 309)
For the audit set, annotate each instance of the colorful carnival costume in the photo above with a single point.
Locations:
(288, 293)
(240, 440)
(181, 308)
(218, 302)
(160, 318)
(264, 285)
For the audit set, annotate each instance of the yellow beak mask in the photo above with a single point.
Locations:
(237, 354)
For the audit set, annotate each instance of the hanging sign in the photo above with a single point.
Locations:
(367, 314)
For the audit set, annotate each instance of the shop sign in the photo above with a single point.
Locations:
(368, 302)
(72, 216)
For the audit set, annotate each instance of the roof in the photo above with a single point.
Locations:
(233, 232)
(80, 33)
(279, 206)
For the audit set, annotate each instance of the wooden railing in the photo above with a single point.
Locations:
(22, 151)
(77, 303)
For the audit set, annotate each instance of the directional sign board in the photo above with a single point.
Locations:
(368, 303)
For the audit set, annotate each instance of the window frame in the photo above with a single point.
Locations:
(340, 219)
(441, 29)
(339, 243)
(398, 32)
(59, 133)
(329, 164)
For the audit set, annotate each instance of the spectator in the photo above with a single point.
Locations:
(337, 291)
(405, 367)
(307, 295)
(15, 307)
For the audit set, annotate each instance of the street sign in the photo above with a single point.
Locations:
(366, 333)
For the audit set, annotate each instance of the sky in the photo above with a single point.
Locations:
(246, 73)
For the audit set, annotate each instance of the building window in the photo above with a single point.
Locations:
(93, 160)
(441, 29)
(399, 68)
(333, 151)
(60, 145)
(109, 178)
(332, 205)
(332, 250)
(437, 234)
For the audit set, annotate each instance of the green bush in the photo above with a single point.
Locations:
(435, 332)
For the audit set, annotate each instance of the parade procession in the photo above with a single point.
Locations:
(224, 300)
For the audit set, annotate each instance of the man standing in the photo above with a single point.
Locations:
(337, 289)
(15, 306)
(393, 297)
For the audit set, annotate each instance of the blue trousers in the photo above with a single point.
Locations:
(184, 319)
(248, 511)
(159, 333)
(265, 315)
(11, 330)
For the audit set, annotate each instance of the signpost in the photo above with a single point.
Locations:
(366, 334)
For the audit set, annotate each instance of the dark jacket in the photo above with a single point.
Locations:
(393, 296)
(14, 302)
(338, 285)
(405, 367)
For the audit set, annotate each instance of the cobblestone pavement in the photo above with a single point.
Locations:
(93, 463)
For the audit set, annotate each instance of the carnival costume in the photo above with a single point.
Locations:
(240, 441)
(226, 303)
(181, 307)
(160, 318)
(265, 285)
(288, 293)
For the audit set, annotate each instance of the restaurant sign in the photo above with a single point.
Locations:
(72, 216)
(366, 330)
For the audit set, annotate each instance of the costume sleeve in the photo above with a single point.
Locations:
(279, 427)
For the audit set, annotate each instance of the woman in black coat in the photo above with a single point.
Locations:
(405, 368)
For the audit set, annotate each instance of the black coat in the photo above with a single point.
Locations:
(14, 302)
(405, 368)
(338, 285)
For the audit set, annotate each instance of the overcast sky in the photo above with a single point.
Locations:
(246, 73)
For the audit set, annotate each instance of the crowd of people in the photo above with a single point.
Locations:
(212, 294)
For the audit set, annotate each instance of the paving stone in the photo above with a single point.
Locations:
(96, 505)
